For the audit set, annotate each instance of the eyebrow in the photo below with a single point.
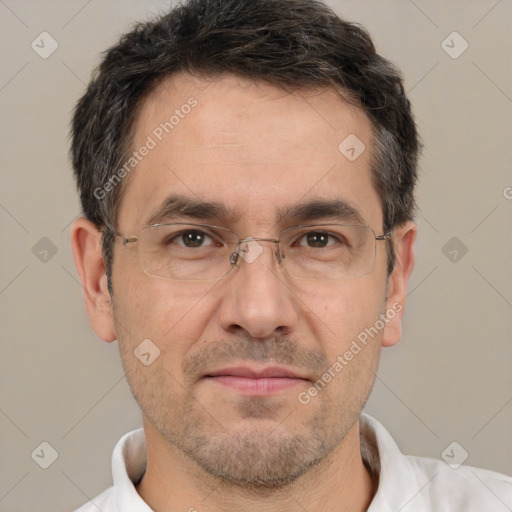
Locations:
(317, 209)
(183, 206)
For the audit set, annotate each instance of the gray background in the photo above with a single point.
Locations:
(450, 377)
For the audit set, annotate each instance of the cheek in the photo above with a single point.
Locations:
(336, 315)
(172, 315)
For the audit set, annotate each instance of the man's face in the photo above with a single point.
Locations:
(257, 151)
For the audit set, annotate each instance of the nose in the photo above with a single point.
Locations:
(258, 300)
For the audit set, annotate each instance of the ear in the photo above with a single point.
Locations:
(403, 240)
(87, 252)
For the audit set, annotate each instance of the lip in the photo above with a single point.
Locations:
(249, 381)
(250, 373)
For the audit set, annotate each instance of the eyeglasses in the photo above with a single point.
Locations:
(196, 252)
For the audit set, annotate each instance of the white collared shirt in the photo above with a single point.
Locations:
(406, 483)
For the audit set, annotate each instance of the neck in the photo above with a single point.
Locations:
(173, 482)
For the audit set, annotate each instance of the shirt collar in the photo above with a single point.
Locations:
(128, 467)
(393, 469)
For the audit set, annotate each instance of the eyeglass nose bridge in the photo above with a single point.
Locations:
(242, 244)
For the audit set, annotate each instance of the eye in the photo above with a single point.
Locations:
(317, 239)
(191, 238)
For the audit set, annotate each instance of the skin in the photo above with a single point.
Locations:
(253, 148)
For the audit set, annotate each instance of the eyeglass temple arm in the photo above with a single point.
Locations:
(387, 236)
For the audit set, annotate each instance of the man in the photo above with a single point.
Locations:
(246, 170)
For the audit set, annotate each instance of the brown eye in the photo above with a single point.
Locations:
(193, 238)
(316, 239)
(190, 238)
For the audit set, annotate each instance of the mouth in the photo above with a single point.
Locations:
(263, 382)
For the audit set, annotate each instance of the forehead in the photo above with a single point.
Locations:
(249, 145)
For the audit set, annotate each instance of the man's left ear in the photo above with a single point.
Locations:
(403, 240)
